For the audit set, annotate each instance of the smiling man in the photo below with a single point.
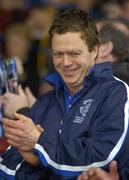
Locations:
(72, 59)
(81, 123)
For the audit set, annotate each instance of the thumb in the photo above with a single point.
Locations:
(113, 169)
(28, 92)
(20, 116)
(39, 128)
(1, 99)
(21, 91)
(30, 97)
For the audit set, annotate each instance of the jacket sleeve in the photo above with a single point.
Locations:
(10, 162)
(98, 147)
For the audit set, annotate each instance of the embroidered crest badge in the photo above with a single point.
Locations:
(85, 107)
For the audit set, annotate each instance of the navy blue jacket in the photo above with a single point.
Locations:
(92, 133)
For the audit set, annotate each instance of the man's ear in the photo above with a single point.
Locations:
(105, 49)
(95, 52)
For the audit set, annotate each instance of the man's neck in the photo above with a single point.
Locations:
(74, 90)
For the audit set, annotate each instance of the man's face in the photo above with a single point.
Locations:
(72, 59)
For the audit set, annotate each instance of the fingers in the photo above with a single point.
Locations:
(100, 173)
(90, 174)
(12, 143)
(12, 127)
(5, 97)
(83, 176)
(79, 177)
(30, 97)
(20, 116)
(13, 123)
(28, 91)
(1, 99)
(94, 174)
(13, 137)
(21, 91)
(39, 128)
(9, 122)
(113, 169)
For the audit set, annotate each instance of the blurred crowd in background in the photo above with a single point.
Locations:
(24, 28)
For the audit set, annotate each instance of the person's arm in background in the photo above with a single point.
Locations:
(99, 174)
(20, 102)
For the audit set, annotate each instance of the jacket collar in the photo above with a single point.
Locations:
(98, 71)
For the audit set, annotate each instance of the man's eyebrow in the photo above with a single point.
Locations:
(78, 50)
(57, 51)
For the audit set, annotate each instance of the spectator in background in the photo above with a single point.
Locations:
(17, 44)
(125, 9)
(11, 11)
(38, 23)
(36, 63)
(114, 47)
(111, 10)
(86, 5)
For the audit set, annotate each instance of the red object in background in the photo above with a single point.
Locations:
(5, 18)
(3, 144)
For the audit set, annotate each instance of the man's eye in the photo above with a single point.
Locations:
(75, 54)
(57, 55)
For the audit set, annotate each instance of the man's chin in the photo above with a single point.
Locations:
(72, 85)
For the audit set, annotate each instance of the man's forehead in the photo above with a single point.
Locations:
(70, 50)
(69, 39)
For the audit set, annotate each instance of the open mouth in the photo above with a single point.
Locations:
(69, 71)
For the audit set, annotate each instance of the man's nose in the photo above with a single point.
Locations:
(66, 60)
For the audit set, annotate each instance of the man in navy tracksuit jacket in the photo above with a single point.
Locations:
(83, 120)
